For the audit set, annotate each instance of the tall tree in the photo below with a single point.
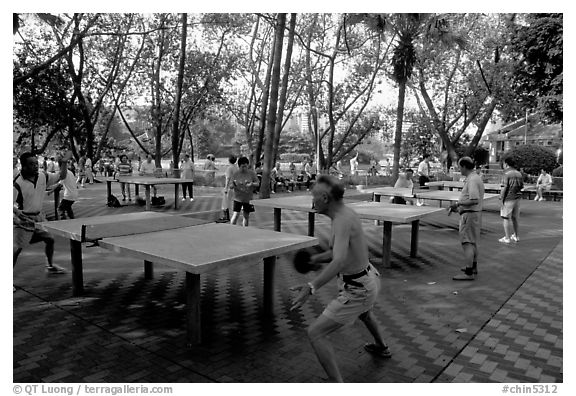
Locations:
(273, 105)
(178, 96)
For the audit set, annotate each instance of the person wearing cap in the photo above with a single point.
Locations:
(469, 206)
(210, 167)
(358, 281)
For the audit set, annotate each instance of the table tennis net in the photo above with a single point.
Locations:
(141, 226)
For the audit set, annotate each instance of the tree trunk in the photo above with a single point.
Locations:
(271, 117)
(284, 91)
(398, 133)
(178, 98)
(481, 127)
(265, 96)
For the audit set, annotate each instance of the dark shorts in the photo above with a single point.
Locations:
(245, 206)
(422, 180)
(23, 235)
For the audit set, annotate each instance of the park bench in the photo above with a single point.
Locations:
(529, 192)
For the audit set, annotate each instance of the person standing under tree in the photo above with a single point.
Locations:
(423, 175)
(210, 167)
(88, 170)
(124, 169)
(70, 195)
(244, 182)
(358, 280)
(188, 175)
(469, 206)
(354, 165)
(148, 168)
(510, 195)
(228, 190)
(81, 170)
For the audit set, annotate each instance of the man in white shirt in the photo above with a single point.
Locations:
(423, 174)
(147, 169)
(544, 183)
(354, 165)
(29, 190)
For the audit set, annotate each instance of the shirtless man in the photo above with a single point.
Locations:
(358, 280)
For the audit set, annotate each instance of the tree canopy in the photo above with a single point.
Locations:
(164, 83)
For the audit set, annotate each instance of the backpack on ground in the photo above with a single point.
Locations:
(113, 202)
(158, 201)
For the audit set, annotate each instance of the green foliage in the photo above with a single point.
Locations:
(41, 103)
(417, 141)
(294, 157)
(481, 155)
(558, 172)
(532, 158)
(537, 42)
(295, 143)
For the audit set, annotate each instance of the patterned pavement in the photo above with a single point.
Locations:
(507, 326)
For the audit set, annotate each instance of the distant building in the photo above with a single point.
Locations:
(516, 133)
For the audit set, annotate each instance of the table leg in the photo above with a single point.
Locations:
(77, 276)
(277, 219)
(377, 198)
(194, 333)
(269, 268)
(56, 203)
(311, 218)
(147, 194)
(414, 239)
(386, 243)
(136, 189)
(148, 269)
(108, 189)
(176, 191)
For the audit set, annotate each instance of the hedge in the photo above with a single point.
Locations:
(532, 158)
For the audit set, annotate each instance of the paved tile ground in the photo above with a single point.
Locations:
(507, 326)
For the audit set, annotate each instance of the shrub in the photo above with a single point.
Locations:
(532, 158)
(558, 172)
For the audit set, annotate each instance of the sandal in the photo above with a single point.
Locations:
(377, 350)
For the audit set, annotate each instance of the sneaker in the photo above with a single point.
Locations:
(55, 269)
(184, 199)
(536, 198)
(542, 199)
(514, 238)
(378, 350)
(504, 240)
(419, 203)
(191, 199)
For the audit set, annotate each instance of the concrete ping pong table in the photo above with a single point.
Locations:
(387, 213)
(445, 195)
(183, 243)
(458, 185)
(147, 182)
